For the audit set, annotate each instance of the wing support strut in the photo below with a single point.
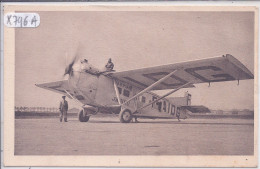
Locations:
(117, 92)
(151, 86)
(73, 98)
(167, 94)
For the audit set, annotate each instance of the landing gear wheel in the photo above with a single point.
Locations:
(125, 116)
(82, 117)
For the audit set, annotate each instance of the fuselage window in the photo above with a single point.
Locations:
(120, 90)
(178, 111)
(154, 98)
(126, 93)
(164, 106)
(159, 104)
(173, 109)
(189, 100)
(143, 99)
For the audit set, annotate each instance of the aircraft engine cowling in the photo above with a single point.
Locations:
(84, 86)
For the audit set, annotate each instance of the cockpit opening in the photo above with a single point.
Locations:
(86, 67)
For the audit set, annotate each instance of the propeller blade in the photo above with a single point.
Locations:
(69, 68)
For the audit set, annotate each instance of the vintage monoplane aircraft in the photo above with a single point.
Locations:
(128, 93)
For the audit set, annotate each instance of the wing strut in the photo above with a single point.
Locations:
(167, 94)
(117, 92)
(73, 97)
(151, 86)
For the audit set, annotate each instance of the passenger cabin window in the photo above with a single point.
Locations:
(143, 99)
(164, 106)
(126, 93)
(173, 109)
(169, 106)
(154, 98)
(120, 90)
(159, 104)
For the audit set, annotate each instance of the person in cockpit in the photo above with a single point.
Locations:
(85, 65)
(109, 66)
(88, 68)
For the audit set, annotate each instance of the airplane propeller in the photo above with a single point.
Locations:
(69, 68)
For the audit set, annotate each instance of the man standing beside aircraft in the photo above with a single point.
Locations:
(63, 109)
(109, 66)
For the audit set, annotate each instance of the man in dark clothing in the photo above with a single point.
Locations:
(63, 109)
(109, 66)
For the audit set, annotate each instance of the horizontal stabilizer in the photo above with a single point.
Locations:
(197, 109)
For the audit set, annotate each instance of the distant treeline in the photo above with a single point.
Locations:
(19, 114)
(220, 116)
(40, 112)
(36, 109)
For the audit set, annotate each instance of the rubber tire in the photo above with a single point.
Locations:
(81, 118)
(125, 113)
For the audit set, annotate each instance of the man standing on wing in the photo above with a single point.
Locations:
(109, 66)
(63, 109)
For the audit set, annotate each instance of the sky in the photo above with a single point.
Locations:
(134, 40)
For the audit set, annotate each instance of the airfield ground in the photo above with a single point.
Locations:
(106, 136)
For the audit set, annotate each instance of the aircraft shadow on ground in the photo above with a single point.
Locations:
(157, 122)
(104, 122)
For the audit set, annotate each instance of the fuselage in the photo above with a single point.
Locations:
(98, 90)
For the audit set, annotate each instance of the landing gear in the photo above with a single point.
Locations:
(125, 116)
(82, 116)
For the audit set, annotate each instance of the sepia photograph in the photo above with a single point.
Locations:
(131, 86)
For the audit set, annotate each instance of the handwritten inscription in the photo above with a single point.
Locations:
(22, 20)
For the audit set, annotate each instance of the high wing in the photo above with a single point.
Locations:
(216, 69)
(58, 87)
